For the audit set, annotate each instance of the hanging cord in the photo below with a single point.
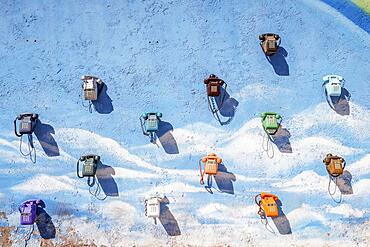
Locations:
(262, 215)
(89, 105)
(212, 106)
(201, 172)
(335, 189)
(267, 145)
(28, 235)
(142, 124)
(98, 189)
(31, 148)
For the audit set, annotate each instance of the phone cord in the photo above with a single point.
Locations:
(31, 148)
(266, 144)
(201, 173)
(335, 190)
(28, 235)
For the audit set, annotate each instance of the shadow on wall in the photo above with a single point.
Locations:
(344, 183)
(103, 104)
(44, 133)
(167, 219)
(166, 138)
(281, 140)
(225, 179)
(281, 222)
(45, 224)
(226, 105)
(104, 175)
(279, 63)
(341, 103)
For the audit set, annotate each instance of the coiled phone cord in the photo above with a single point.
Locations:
(31, 148)
(98, 189)
(28, 235)
(335, 190)
(262, 215)
(266, 144)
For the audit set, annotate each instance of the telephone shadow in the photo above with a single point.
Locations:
(226, 105)
(278, 62)
(281, 222)
(224, 181)
(44, 133)
(45, 224)
(166, 138)
(341, 103)
(281, 140)
(344, 183)
(106, 181)
(167, 219)
(103, 104)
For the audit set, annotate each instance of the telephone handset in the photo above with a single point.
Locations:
(85, 157)
(265, 114)
(265, 195)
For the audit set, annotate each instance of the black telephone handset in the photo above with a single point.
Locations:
(85, 157)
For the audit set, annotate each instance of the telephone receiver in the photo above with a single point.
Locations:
(265, 114)
(146, 115)
(205, 159)
(85, 157)
(265, 195)
(327, 78)
(37, 202)
(23, 115)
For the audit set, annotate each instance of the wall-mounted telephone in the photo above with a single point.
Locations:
(270, 43)
(149, 123)
(334, 165)
(271, 122)
(333, 85)
(90, 87)
(28, 211)
(213, 84)
(153, 207)
(267, 205)
(90, 164)
(211, 163)
(27, 123)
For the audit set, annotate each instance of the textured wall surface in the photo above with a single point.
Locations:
(153, 56)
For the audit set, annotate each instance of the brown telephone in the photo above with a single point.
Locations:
(334, 165)
(213, 84)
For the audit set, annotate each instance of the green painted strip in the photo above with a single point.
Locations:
(363, 4)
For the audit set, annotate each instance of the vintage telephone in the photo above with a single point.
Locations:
(270, 122)
(90, 87)
(153, 207)
(28, 211)
(334, 165)
(89, 166)
(213, 84)
(27, 123)
(150, 123)
(270, 43)
(267, 205)
(211, 162)
(333, 85)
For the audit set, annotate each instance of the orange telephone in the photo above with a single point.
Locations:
(267, 205)
(211, 162)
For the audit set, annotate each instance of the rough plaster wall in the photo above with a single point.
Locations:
(154, 55)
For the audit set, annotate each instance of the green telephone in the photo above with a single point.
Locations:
(271, 122)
